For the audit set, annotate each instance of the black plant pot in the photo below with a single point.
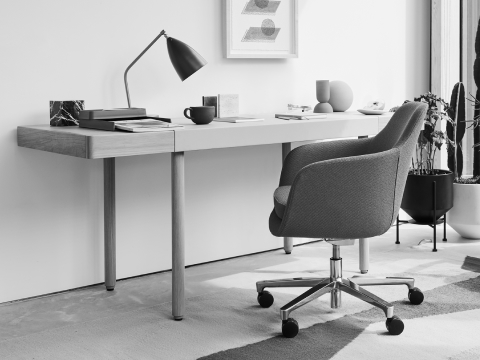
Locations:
(418, 197)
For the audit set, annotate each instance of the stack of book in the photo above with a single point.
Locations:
(129, 119)
(300, 116)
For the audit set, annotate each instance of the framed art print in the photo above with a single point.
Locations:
(261, 28)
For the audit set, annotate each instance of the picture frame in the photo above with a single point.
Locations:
(261, 28)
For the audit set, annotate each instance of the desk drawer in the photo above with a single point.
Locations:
(129, 144)
(93, 144)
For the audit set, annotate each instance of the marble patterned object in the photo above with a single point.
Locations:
(65, 113)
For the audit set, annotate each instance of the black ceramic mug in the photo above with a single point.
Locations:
(200, 115)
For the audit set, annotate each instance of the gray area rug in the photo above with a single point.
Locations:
(229, 324)
(323, 341)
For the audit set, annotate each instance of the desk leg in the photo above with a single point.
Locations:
(178, 235)
(287, 241)
(109, 222)
(364, 255)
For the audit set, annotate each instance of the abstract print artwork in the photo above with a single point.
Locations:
(266, 32)
(261, 28)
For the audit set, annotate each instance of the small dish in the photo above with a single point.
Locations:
(372, 112)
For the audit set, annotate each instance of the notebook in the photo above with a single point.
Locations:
(300, 116)
(237, 119)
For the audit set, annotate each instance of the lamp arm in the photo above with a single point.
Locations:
(162, 33)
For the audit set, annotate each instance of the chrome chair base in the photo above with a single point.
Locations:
(335, 285)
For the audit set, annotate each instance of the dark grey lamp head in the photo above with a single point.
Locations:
(185, 60)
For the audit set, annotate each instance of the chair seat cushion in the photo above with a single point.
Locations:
(280, 197)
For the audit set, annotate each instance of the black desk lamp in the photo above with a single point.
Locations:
(185, 60)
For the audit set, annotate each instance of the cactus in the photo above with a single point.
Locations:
(456, 130)
(476, 130)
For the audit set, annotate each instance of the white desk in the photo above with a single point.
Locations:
(94, 144)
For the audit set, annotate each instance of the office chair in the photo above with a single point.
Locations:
(341, 191)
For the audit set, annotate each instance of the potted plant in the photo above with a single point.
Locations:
(464, 217)
(428, 191)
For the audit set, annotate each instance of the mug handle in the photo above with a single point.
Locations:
(185, 113)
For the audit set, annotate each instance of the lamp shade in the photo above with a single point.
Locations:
(185, 60)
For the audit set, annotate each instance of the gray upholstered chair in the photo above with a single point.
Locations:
(341, 191)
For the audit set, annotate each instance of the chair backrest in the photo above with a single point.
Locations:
(401, 132)
(336, 206)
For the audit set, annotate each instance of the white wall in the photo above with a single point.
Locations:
(51, 205)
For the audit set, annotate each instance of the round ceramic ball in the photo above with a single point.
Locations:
(341, 96)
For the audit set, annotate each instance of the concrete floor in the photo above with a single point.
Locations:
(54, 311)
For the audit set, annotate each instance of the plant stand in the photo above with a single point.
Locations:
(433, 224)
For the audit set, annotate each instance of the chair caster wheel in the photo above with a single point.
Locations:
(415, 296)
(290, 328)
(394, 325)
(265, 299)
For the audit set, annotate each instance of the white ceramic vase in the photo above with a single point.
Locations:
(464, 217)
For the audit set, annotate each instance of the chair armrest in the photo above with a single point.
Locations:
(304, 155)
(346, 198)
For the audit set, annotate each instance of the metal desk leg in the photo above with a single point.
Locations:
(178, 235)
(434, 194)
(445, 227)
(287, 241)
(398, 230)
(364, 255)
(109, 222)
(364, 246)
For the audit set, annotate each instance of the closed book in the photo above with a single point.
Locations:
(110, 123)
(122, 113)
(133, 125)
(145, 125)
(97, 124)
(237, 119)
(300, 116)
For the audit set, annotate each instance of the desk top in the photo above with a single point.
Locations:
(272, 131)
(95, 144)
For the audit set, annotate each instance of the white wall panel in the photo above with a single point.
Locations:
(51, 213)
